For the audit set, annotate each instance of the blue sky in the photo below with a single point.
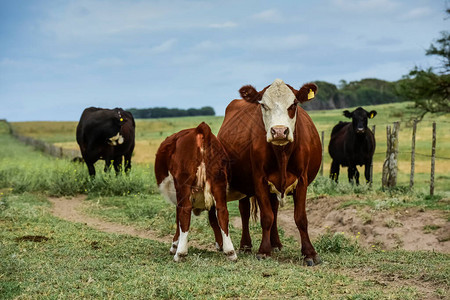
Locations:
(59, 57)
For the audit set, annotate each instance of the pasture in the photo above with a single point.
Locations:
(45, 256)
(151, 132)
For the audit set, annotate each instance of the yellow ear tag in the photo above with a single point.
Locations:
(121, 119)
(310, 94)
(371, 115)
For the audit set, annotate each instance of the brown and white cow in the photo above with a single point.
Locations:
(274, 150)
(191, 172)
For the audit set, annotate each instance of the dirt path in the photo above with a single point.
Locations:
(70, 209)
(409, 228)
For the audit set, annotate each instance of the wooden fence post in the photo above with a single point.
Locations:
(433, 157)
(321, 165)
(413, 155)
(371, 163)
(390, 166)
(384, 176)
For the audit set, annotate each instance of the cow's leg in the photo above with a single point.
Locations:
(173, 248)
(274, 237)
(246, 240)
(215, 226)
(266, 216)
(90, 166)
(356, 176)
(184, 208)
(117, 164)
(367, 172)
(334, 171)
(90, 159)
(127, 161)
(310, 255)
(107, 164)
(351, 173)
(219, 193)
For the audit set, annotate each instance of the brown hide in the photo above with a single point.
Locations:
(181, 154)
(254, 162)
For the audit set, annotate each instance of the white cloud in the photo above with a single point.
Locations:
(110, 62)
(366, 5)
(224, 25)
(272, 43)
(206, 46)
(268, 16)
(98, 20)
(163, 47)
(416, 13)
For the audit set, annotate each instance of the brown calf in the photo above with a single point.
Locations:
(191, 172)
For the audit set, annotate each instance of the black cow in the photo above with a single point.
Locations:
(106, 134)
(352, 144)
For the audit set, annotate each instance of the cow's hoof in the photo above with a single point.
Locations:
(261, 256)
(245, 249)
(179, 257)
(317, 260)
(173, 249)
(231, 255)
(309, 262)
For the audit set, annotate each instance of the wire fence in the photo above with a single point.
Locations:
(45, 147)
(411, 153)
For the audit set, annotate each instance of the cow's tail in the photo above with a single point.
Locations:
(254, 209)
(203, 140)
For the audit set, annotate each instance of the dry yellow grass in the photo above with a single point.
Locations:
(150, 133)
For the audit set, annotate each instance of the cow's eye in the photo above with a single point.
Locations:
(265, 107)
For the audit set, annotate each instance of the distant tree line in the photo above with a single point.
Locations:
(164, 112)
(368, 91)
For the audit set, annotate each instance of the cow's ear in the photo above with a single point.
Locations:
(250, 94)
(347, 114)
(306, 92)
(372, 114)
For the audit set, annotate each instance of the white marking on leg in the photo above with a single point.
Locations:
(218, 247)
(167, 188)
(173, 248)
(182, 249)
(228, 248)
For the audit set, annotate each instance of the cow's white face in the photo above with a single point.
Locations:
(279, 110)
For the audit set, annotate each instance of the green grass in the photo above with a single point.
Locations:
(79, 262)
(45, 257)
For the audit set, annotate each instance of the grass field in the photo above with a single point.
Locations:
(44, 257)
(150, 133)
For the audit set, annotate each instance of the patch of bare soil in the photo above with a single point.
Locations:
(401, 228)
(71, 209)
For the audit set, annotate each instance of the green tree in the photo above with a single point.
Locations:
(430, 88)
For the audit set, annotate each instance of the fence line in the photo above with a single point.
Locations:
(45, 147)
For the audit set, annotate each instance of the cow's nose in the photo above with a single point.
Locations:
(279, 132)
(360, 130)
